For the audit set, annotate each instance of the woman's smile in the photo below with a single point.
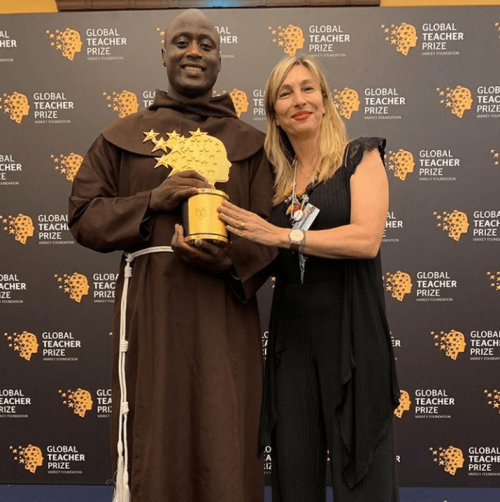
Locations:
(302, 115)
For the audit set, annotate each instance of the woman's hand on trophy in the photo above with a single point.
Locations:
(251, 226)
(175, 189)
(202, 255)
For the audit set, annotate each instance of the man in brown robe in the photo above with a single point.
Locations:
(193, 368)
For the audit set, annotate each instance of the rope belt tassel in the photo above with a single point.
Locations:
(122, 488)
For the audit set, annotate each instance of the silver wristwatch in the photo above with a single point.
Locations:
(297, 239)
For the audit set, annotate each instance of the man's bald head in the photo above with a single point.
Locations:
(188, 16)
(191, 55)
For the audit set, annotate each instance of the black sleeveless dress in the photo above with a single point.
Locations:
(340, 304)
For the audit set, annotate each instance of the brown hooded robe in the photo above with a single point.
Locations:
(194, 363)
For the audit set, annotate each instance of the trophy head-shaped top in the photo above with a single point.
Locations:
(201, 152)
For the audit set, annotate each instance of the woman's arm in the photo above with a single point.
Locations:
(361, 238)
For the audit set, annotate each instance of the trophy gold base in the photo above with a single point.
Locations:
(201, 218)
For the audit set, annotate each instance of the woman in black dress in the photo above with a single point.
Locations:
(331, 385)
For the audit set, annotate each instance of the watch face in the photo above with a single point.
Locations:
(296, 235)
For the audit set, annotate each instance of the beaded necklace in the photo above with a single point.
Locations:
(297, 201)
(295, 211)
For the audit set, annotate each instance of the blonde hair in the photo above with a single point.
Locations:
(279, 150)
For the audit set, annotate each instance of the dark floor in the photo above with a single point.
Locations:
(72, 493)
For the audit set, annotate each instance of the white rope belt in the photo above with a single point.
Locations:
(122, 489)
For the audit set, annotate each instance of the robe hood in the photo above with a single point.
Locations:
(216, 116)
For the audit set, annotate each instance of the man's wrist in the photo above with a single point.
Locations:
(152, 205)
(227, 266)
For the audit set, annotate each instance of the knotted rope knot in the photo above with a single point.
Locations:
(124, 408)
(128, 269)
(123, 345)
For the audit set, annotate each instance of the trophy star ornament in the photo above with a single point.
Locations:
(201, 153)
(150, 136)
(161, 144)
(162, 161)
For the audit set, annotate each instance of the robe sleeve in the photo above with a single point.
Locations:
(98, 218)
(251, 260)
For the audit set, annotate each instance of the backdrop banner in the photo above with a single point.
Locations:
(427, 79)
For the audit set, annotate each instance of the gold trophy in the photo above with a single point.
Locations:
(207, 156)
